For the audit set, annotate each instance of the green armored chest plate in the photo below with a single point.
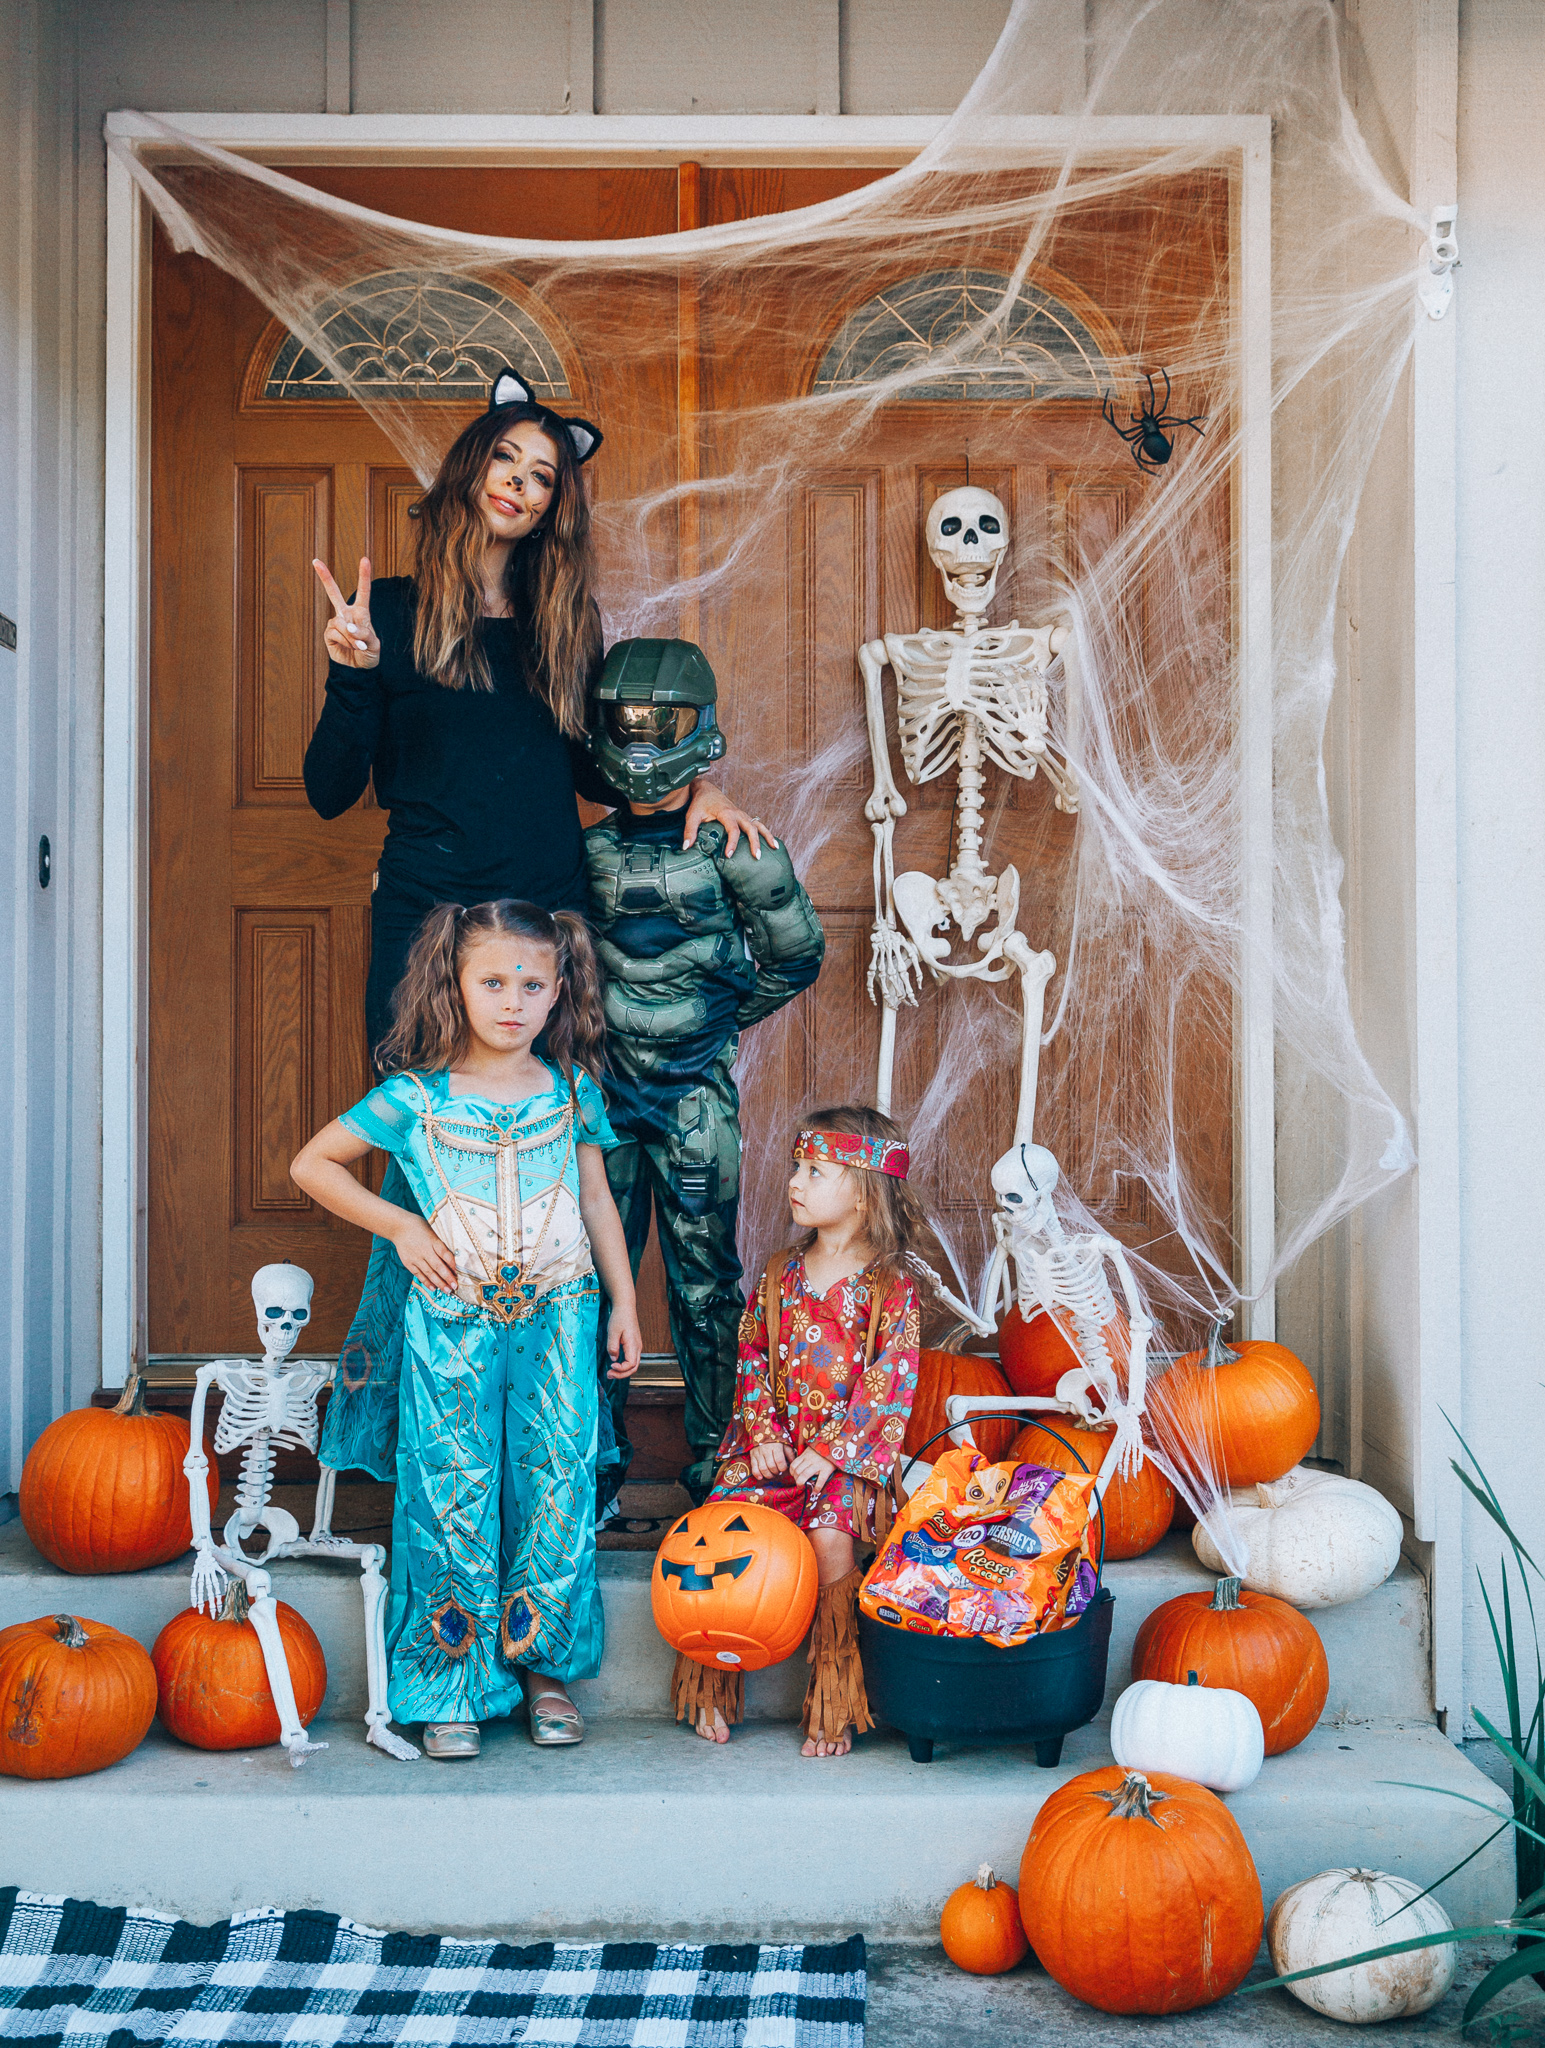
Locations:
(643, 879)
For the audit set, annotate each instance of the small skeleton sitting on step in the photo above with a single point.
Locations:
(272, 1406)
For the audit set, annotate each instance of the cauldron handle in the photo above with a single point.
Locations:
(950, 1428)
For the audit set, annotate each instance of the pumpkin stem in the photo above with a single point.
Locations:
(1217, 1352)
(70, 1632)
(1225, 1595)
(132, 1399)
(985, 1878)
(1135, 1800)
(1191, 1678)
(235, 1604)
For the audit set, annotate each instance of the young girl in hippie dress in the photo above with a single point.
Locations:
(828, 1369)
(493, 1588)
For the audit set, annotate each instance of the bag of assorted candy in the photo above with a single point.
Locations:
(998, 1551)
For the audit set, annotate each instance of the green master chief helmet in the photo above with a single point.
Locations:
(652, 723)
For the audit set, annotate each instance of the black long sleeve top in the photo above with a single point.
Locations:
(479, 784)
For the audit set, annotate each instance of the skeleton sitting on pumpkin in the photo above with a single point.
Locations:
(268, 1407)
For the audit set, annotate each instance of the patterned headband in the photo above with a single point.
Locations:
(847, 1148)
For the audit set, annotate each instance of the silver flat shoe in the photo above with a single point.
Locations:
(448, 1740)
(554, 1720)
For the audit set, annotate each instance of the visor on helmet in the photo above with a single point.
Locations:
(650, 725)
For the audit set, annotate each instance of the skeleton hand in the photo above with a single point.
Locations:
(893, 961)
(209, 1581)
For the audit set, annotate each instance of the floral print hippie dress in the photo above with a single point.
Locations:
(493, 1533)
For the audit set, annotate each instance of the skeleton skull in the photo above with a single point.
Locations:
(968, 536)
(1024, 1182)
(281, 1295)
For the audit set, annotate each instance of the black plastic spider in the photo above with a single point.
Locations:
(1145, 437)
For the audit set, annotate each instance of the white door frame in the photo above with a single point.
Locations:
(1243, 141)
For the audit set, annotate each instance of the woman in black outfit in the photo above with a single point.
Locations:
(463, 689)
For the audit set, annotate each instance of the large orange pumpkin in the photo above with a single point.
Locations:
(942, 1373)
(1139, 1894)
(1034, 1355)
(1136, 1511)
(1250, 1642)
(980, 1927)
(103, 1488)
(1251, 1409)
(213, 1683)
(734, 1585)
(75, 1696)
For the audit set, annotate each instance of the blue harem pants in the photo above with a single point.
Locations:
(493, 1534)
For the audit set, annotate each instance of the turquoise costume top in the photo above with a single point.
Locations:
(493, 1536)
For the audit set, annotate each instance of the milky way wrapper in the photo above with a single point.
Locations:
(996, 1551)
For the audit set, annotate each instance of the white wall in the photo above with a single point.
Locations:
(1500, 315)
(50, 777)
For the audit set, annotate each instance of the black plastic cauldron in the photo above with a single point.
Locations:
(961, 1689)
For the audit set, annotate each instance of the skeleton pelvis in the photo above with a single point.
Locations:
(928, 907)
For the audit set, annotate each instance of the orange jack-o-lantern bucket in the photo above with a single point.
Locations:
(734, 1586)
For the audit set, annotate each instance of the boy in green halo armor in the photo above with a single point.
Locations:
(695, 946)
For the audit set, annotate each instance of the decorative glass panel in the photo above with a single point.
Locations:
(1040, 350)
(424, 334)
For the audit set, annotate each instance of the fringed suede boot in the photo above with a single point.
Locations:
(698, 1689)
(835, 1699)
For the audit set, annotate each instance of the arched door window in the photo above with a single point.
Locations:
(941, 323)
(420, 334)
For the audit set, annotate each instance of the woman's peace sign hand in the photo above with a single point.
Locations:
(349, 636)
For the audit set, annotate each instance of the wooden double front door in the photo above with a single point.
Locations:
(259, 911)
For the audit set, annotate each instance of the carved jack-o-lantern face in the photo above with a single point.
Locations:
(734, 1585)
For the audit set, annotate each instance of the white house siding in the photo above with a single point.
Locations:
(1353, 1308)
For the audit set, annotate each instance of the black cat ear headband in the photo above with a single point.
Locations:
(507, 389)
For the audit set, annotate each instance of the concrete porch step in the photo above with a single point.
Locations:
(1376, 1647)
(645, 1830)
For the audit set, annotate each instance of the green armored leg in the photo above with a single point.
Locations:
(628, 1176)
(696, 1174)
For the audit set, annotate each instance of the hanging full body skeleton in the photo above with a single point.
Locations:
(269, 1407)
(974, 694)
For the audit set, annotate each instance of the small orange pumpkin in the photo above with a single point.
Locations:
(213, 1683)
(75, 1696)
(1137, 1512)
(1250, 1642)
(942, 1373)
(980, 1926)
(734, 1585)
(1250, 1409)
(1139, 1893)
(103, 1489)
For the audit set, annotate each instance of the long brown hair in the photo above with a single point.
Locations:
(430, 1031)
(548, 580)
(893, 1218)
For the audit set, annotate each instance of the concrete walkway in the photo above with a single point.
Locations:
(918, 1999)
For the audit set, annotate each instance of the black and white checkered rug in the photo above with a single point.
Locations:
(99, 1977)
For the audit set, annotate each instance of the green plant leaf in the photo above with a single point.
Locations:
(1372, 1955)
(1521, 1765)
(1522, 1963)
(1465, 1799)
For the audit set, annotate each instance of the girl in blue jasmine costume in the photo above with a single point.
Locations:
(493, 1590)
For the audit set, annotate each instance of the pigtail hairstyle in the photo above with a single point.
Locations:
(576, 1030)
(430, 1032)
(894, 1222)
(548, 579)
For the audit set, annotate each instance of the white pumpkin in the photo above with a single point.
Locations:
(1207, 1733)
(1341, 1913)
(1312, 1538)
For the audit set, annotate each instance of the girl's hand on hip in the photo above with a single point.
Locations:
(768, 1460)
(711, 805)
(349, 636)
(425, 1257)
(811, 1469)
(624, 1344)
